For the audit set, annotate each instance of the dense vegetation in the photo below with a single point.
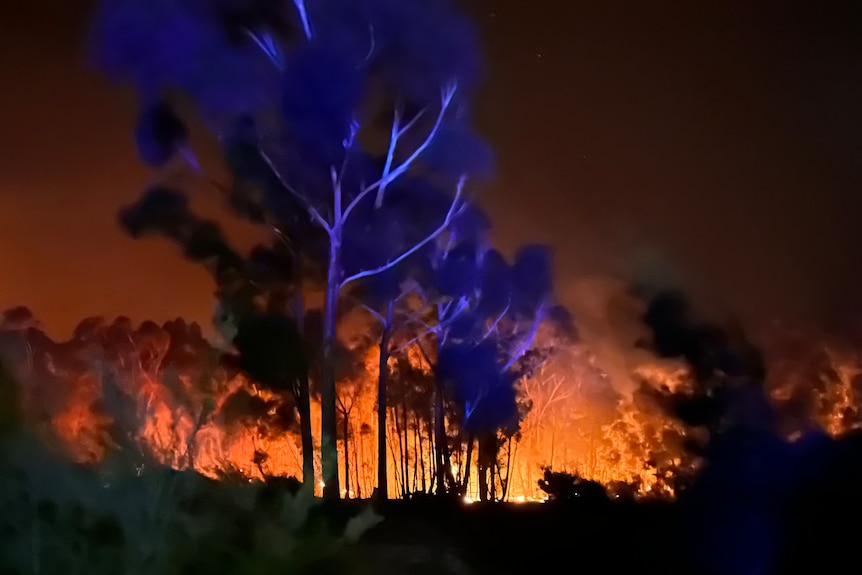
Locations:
(344, 128)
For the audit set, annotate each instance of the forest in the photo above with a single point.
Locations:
(378, 346)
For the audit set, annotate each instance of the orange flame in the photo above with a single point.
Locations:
(576, 422)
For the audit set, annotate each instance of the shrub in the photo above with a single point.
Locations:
(561, 486)
(56, 517)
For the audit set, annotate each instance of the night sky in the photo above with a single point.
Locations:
(714, 141)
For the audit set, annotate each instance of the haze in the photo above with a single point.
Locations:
(718, 144)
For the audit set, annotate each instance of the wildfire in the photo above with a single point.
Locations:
(159, 392)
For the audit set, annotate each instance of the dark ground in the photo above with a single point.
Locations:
(820, 529)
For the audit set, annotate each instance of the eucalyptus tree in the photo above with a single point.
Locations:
(491, 342)
(347, 115)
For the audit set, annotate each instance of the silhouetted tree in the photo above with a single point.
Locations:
(261, 310)
(298, 115)
(10, 403)
(739, 490)
(490, 342)
(387, 298)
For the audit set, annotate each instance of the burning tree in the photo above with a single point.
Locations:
(749, 465)
(296, 95)
(486, 342)
(814, 378)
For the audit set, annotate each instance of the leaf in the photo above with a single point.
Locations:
(456, 151)
(160, 134)
(496, 283)
(321, 89)
(158, 210)
(272, 351)
(532, 277)
(458, 274)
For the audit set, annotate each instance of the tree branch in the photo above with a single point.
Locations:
(336, 196)
(463, 305)
(389, 176)
(390, 156)
(373, 42)
(497, 321)
(379, 317)
(267, 46)
(396, 132)
(312, 211)
(303, 16)
(455, 209)
(528, 339)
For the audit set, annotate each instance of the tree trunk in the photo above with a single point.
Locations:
(304, 407)
(357, 445)
(346, 430)
(303, 400)
(400, 468)
(328, 447)
(487, 465)
(432, 451)
(465, 486)
(405, 431)
(505, 482)
(483, 480)
(382, 470)
(422, 459)
(417, 456)
(395, 460)
(439, 440)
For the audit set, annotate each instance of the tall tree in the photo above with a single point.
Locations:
(313, 88)
(386, 298)
(255, 313)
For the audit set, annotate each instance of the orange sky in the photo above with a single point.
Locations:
(724, 141)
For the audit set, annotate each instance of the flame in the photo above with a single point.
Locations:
(158, 395)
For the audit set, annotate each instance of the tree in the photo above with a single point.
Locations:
(383, 298)
(486, 341)
(395, 300)
(260, 312)
(299, 113)
(749, 467)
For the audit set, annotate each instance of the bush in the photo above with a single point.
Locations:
(59, 518)
(562, 486)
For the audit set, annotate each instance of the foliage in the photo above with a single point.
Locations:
(727, 371)
(489, 339)
(10, 402)
(299, 97)
(561, 486)
(59, 518)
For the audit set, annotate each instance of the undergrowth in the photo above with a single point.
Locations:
(125, 519)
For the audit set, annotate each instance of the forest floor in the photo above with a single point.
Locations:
(454, 538)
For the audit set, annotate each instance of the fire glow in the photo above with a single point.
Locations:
(161, 391)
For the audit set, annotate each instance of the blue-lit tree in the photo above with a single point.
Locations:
(387, 298)
(407, 306)
(348, 115)
(492, 344)
(484, 316)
